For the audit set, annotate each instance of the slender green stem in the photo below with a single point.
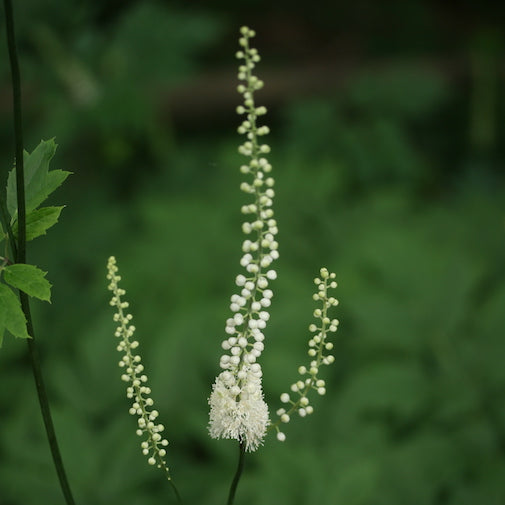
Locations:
(238, 473)
(176, 491)
(20, 254)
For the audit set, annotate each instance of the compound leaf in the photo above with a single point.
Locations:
(39, 182)
(39, 221)
(11, 314)
(30, 279)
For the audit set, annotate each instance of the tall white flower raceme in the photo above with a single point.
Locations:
(237, 408)
(153, 445)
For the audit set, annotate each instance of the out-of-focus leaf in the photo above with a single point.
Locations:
(385, 387)
(401, 90)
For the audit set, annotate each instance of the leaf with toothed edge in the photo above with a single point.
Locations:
(29, 279)
(39, 221)
(39, 181)
(11, 314)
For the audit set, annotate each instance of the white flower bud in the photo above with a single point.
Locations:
(133, 368)
(285, 398)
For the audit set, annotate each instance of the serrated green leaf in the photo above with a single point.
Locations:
(30, 279)
(11, 314)
(39, 221)
(39, 182)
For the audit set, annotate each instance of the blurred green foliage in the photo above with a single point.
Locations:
(380, 181)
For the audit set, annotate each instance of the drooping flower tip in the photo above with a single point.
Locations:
(246, 31)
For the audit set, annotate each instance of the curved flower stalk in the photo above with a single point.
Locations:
(153, 445)
(318, 345)
(237, 408)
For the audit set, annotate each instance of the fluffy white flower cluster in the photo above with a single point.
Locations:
(238, 410)
(137, 391)
(318, 345)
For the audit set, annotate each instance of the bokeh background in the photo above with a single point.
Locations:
(388, 149)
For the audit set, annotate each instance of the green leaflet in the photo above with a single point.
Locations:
(39, 221)
(39, 181)
(11, 315)
(30, 279)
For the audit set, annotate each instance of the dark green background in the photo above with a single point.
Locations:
(387, 141)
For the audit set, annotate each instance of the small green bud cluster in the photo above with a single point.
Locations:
(318, 347)
(137, 391)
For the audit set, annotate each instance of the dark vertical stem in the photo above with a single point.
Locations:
(20, 255)
(18, 130)
(44, 404)
(238, 473)
(8, 228)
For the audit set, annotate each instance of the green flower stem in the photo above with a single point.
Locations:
(175, 490)
(20, 254)
(238, 473)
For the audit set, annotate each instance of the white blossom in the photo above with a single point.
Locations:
(137, 389)
(237, 407)
(239, 412)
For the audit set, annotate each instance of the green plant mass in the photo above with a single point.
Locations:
(384, 162)
(40, 182)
